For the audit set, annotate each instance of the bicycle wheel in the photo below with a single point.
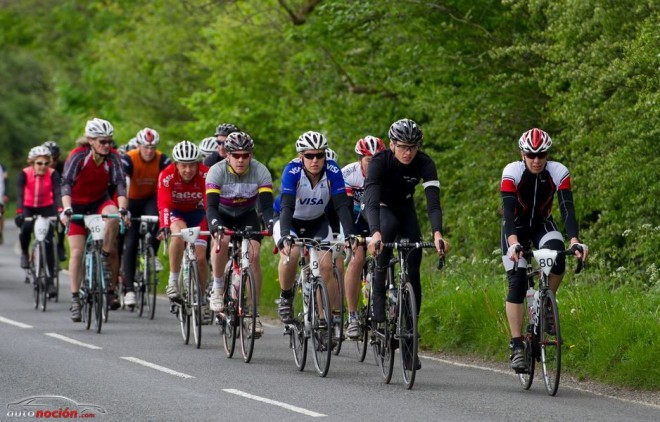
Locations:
(150, 282)
(195, 301)
(138, 280)
(34, 275)
(341, 314)
(99, 300)
(248, 313)
(364, 304)
(408, 336)
(320, 316)
(229, 315)
(550, 340)
(184, 316)
(86, 306)
(297, 337)
(55, 276)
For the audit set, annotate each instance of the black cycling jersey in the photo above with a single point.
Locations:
(391, 183)
(213, 158)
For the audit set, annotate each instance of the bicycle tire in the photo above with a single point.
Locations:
(86, 308)
(550, 342)
(408, 335)
(98, 295)
(321, 333)
(184, 318)
(34, 275)
(55, 276)
(139, 281)
(298, 339)
(248, 313)
(150, 282)
(195, 301)
(342, 311)
(86, 290)
(363, 318)
(229, 317)
(43, 276)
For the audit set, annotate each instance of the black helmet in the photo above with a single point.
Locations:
(239, 141)
(225, 129)
(53, 147)
(405, 131)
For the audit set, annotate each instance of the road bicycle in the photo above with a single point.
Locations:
(400, 327)
(239, 315)
(188, 307)
(542, 338)
(145, 280)
(93, 289)
(312, 315)
(364, 304)
(39, 272)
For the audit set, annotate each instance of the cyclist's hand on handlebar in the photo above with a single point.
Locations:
(269, 227)
(375, 245)
(125, 215)
(580, 250)
(164, 233)
(284, 244)
(441, 245)
(19, 219)
(65, 216)
(514, 252)
(354, 241)
(216, 229)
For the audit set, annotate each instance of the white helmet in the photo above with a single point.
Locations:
(40, 151)
(148, 137)
(330, 154)
(311, 140)
(185, 152)
(208, 146)
(98, 127)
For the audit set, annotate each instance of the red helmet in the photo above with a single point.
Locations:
(369, 145)
(535, 140)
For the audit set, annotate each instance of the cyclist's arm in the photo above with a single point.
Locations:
(71, 168)
(213, 215)
(117, 176)
(57, 189)
(371, 198)
(265, 201)
(287, 206)
(21, 179)
(342, 203)
(163, 200)
(567, 211)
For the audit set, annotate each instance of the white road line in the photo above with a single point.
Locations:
(274, 403)
(73, 341)
(14, 323)
(156, 367)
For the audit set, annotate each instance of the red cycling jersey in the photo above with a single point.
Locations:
(174, 194)
(87, 182)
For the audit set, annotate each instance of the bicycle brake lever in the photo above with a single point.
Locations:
(441, 262)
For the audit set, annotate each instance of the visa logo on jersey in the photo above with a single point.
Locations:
(310, 201)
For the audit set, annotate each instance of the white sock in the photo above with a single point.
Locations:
(174, 277)
(218, 283)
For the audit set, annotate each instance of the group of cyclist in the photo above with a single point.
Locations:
(371, 197)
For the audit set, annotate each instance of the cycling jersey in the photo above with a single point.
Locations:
(354, 178)
(212, 159)
(299, 200)
(143, 175)
(174, 194)
(527, 197)
(234, 195)
(392, 184)
(86, 182)
(37, 191)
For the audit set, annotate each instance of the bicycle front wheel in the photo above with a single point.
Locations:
(184, 316)
(339, 315)
(248, 313)
(408, 336)
(99, 299)
(297, 336)
(361, 344)
(320, 315)
(551, 342)
(229, 316)
(195, 300)
(34, 275)
(43, 277)
(150, 282)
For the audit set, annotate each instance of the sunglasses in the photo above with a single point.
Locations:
(240, 155)
(41, 163)
(407, 148)
(312, 155)
(104, 143)
(540, 155)
(220, 143)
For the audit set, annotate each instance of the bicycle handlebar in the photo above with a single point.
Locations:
(528, 254)
(407, 246)
(146, 218)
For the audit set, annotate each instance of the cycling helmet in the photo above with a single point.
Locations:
(225, 129)
(53, 147)
(405, 131)
(311, 140)
(98, 127)
(239, 141)
(535, 140)
(185, 152)
(147, 137)
(330, 154)
(208, 146)
(369, 145)
(40, 151)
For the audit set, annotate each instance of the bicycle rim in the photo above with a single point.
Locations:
(550, 343)
(248, 314)
(229, 316)
(321, 332)
(34, 270)
(342, 311)
(363, 320)
(139, 284)
(297, 338)
(87, 308)
(526, 377)
(184, 318)
(408, 336)
(195, 300)
(150, 283)
(43, 281)
(55, 277)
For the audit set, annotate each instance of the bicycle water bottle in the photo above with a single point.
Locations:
(391, 293)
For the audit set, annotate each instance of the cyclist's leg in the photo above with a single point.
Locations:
(514, 301)
(24, 236)
(131, 240)
(175, 252)
(388, 230)
(286, 270)
(109, 251)
(151, 208)
(550, 237)
(352, 282)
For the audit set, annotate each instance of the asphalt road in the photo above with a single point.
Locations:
(138, 370)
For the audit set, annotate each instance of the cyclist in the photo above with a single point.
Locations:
(91, 171)
(37, 193)
(208, 146)
(142, 166)
(527, 188)
(389, 207)
(234, 188)
(309, 182)
(57, 165)
(181, 204)
(354, 176)
(221, 132)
